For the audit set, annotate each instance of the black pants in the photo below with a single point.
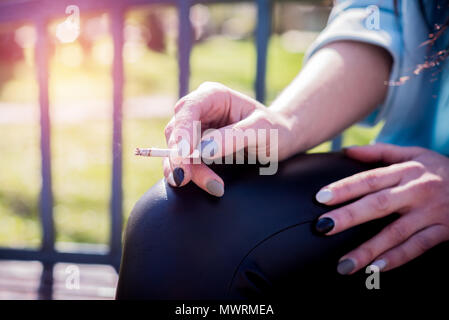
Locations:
(256, 241)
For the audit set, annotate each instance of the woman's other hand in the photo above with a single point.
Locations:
(415, 184)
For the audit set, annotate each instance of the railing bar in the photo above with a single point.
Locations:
(48, 253)
(45, 290)
(55, 256)
(337, 142)
(53, 9)
(184, 45)
(46, 197)
(263, 30)
(118, 78)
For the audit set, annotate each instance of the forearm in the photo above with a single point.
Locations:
(338, 86)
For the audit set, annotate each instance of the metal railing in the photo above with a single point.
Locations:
(40, 12)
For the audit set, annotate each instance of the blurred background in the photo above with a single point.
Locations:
(81, 91)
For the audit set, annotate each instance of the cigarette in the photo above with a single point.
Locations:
(154, 152)
(160, 152)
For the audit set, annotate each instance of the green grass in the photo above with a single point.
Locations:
(232, 63)
(81, 178)
(81, 153)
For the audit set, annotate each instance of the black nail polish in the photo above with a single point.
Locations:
(345, 266)
(208, 148)
(178, 175)
(324, 225)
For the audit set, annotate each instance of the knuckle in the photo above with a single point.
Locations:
(180, 104)
(211, 90)
(344, 189)
(187, 102)
(207, 91)
(423, 243)
(415, 168)
(381, 201)
(400, 255)
(262, 121)
(211, 86)
(430, 185)
(348, 215)
(371, 180)
(398, 232)
(366, 253)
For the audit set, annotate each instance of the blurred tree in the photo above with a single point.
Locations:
(155, 37)
(10, 53)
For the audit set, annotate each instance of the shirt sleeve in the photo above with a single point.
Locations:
(373, 22)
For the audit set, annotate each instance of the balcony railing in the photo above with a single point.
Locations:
(40, 12)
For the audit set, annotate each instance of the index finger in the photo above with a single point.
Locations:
(360, 184)
(183, 133)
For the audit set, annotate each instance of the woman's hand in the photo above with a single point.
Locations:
(415, 185)
(340, 84)
(215, 106)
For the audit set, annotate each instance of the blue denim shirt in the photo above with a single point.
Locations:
(415, 112)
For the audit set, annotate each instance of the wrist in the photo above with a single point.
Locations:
(289, 141)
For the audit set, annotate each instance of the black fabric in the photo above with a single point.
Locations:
(256, 241)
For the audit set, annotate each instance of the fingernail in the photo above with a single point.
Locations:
(345, 266)
(381, 264)
(178, 175)
(324, 225)
(324, 196)
(215, 188)
(208, 148)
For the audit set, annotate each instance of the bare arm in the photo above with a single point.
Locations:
(338, 86)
